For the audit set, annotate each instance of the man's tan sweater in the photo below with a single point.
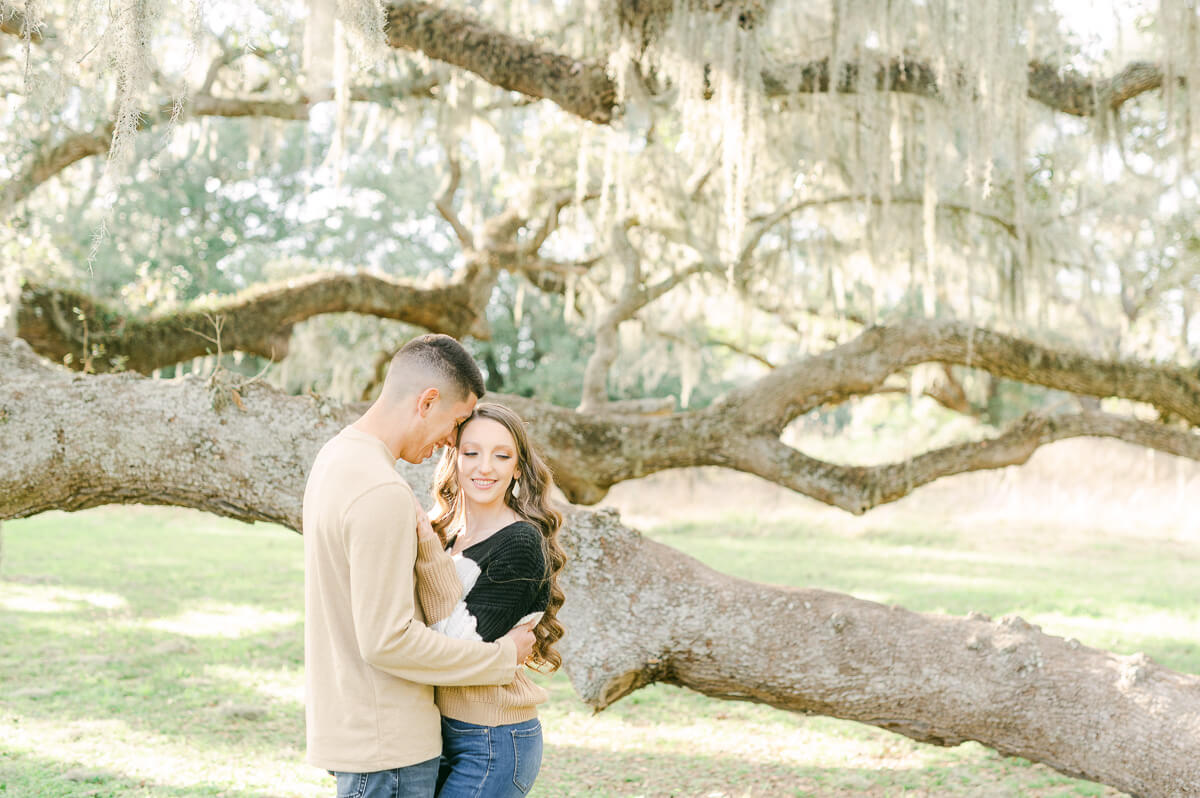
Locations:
(370, 660)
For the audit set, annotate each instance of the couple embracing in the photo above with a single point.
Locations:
(417, 633)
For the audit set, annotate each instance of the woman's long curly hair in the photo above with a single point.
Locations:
(531, 504)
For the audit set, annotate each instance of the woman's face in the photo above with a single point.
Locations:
(487, 460)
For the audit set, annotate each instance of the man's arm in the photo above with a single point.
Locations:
(380, 540)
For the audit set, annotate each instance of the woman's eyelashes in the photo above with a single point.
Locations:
(499, 455)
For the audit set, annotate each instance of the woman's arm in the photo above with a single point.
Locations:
(438, 585)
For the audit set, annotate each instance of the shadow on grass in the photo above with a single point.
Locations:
(579, 770)
(29, 776)
(73, 669)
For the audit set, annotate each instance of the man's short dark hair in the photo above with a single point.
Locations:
(447, 357)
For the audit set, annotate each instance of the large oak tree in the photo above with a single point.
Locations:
(879, 191)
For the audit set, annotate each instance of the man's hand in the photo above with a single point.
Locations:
(424, 527)
(523, 636)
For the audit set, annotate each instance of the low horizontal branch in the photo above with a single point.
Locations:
(592, 451)
(66, 325)
(858, 489)
(651, 615)
(860, 366)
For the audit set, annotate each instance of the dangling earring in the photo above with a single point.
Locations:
(516, 489)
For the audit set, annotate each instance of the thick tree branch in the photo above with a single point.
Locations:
(858, 489)
(638, 612)
(100, 339)
(1057, 89)
(579, 87)
(14, 22)
(583, 87)
(50, 161)
(741, 430)
(594, 449)
(68, 326)
(1079, 95)
(651, 615)
(862, 364)
(591, 452)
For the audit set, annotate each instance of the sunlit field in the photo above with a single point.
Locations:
(149, 651)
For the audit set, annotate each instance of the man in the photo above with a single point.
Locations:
(370, 661)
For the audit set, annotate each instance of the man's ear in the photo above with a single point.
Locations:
(427, 400)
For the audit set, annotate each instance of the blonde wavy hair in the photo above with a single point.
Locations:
(532, 504)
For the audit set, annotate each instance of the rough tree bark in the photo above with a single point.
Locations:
(58, 322)
(14, 22)
(741, 430)
(583, 87)
(637, 611)
(592, 451)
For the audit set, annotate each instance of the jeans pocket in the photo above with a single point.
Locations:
(527, 755)
(351, 785)
(462, 728)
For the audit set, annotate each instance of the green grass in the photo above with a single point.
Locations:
(148, 652)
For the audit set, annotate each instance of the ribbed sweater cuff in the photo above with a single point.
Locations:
(438, 587)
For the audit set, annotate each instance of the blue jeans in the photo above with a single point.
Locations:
(489, 761)
(414, 781)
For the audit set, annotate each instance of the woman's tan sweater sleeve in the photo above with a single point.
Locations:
(438, 586)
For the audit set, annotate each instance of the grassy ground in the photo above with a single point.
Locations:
(159, 652)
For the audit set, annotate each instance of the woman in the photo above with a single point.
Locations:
(494, 517)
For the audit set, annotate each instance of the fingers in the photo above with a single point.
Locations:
(424, 525)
